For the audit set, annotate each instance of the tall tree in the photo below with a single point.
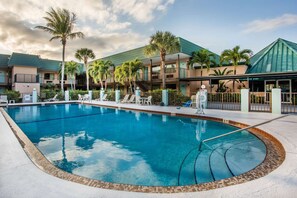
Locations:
(128, 72)
(235, 56)
(60, 24)
(203, 58)
(72, 68)
(84, 54)
(163, 43)
(134, 67)
(100, 71)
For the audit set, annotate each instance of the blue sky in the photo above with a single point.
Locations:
(119, 25)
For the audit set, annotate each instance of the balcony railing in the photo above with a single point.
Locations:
(26, 78)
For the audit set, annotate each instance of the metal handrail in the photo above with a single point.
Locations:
(239, 130)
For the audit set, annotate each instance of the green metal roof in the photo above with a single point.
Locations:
(186, 47)
(4, 61)
(24, 60)
(118, 59)
(50, 65)
(279, 56)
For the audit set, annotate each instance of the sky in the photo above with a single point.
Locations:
(112, 26)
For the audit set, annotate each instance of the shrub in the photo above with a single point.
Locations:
(13, 95)
(175, 98)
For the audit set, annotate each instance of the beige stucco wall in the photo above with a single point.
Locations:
(26, 87)
(23, 70)
(56, 77)
(195, 85)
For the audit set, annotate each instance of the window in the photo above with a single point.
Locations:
(48, 76)
(2, 77)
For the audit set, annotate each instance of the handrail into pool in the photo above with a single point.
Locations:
(239, 130)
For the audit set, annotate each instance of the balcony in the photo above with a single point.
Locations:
(26, 78)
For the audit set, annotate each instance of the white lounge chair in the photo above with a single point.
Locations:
(148, 100)
(125, 99)
(3, 99)
(104, 98)
(52, 99)
(131, 99)
(86, 97)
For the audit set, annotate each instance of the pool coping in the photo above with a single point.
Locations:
(274, 158)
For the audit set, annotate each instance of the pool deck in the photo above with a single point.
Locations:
(19, 177)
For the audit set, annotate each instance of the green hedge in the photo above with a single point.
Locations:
(175, 98)
(13, 95)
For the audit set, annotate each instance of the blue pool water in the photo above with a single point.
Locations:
(137, 148)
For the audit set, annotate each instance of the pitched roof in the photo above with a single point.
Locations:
(50, 65)
(186, 47)
(279, 56)
(4, 60)
(20, 59)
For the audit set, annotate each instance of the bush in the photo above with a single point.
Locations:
(13, 95)
(48, 93)
(175, 98)
(74, 94)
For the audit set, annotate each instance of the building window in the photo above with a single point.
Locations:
(2, 77)
(48, 76)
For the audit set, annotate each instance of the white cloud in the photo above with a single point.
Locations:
(270, 24)
(107, 25)
(140, 10)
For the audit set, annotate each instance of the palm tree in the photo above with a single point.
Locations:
(163, 43)
(121, 74)
(222, 84)
(84, 54)
(203, 58)
(133, 71)
(99, 70)
(128, 72)
(72, 68)
(60, 24)
(235, 56)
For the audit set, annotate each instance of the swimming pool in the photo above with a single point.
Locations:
(137, 148)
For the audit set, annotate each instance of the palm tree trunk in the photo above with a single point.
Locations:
(105, 85)
(101, 84)
(87, 73)
(234, 70)
(163, 71)
(63, 68)
(201, 75)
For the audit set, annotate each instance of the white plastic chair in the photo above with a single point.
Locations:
(148, 100)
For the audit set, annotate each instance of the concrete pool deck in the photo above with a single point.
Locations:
(19, 177)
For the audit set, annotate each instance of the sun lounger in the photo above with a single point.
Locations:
(125, 99)
(187, 104)
(131, 99)
(52, 99)
(3, 99)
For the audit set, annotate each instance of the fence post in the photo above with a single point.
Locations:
(90, 95)
(245, 100)
(117, 96)
(66, 95)
(165, 97)
(276, 101)
(34, 96)
(101, 94)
